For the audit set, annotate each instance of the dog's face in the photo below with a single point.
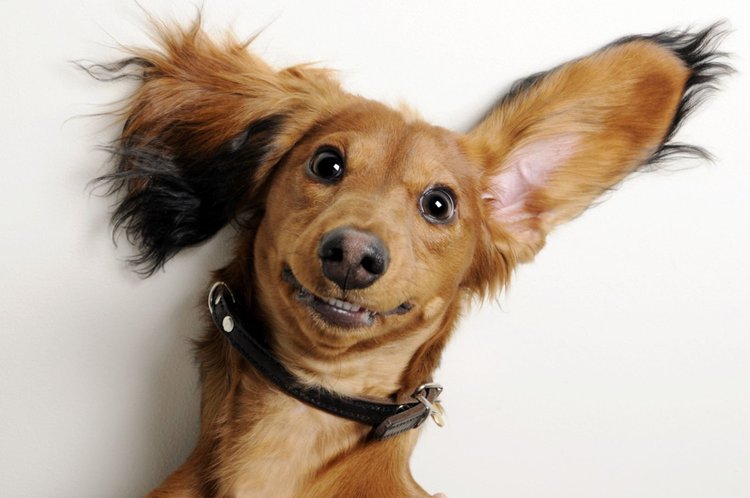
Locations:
(367, 224)
(370, 225)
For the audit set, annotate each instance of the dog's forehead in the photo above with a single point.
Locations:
(387, 143)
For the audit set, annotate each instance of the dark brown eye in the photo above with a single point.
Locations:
(326, 165)
(438, 205)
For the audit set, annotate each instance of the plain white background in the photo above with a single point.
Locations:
(618, 364)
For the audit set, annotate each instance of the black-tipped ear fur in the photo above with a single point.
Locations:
(172, 200)
(699, 52)
(202, 131)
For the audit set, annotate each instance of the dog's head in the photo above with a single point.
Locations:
(359, 224)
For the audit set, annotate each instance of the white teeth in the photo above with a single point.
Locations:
(337, 303)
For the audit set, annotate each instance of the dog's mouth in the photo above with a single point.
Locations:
(336, 311)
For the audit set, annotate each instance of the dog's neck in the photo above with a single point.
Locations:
(377, 368)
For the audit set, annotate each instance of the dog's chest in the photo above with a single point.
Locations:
(286, 447)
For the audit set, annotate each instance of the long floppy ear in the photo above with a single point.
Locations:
(205, 126)
(558, 140)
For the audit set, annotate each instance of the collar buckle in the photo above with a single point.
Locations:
(414, 416)
(431, 391)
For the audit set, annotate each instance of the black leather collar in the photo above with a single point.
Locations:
(386, 418)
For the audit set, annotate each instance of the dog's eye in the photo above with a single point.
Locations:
(438, 204)
(326, 165)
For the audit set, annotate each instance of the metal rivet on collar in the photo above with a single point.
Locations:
(227, 324)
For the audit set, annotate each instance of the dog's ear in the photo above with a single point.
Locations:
(558, 140)
(203, 129)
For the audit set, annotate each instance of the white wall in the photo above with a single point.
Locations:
(617, 366)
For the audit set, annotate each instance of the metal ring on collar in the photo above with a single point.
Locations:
(426, 387)
(213, 298)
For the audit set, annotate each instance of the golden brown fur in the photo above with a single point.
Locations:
(189, 165)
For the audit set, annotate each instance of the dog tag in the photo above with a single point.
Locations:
(438, 413)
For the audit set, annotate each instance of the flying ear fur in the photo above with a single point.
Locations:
(560, 139)
(204, 128)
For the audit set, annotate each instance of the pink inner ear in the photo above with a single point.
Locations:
(526, 170)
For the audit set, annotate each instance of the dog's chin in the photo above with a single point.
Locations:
(335, 312)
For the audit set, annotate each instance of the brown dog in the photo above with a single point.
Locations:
(362, 233)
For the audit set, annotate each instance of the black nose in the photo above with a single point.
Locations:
(351, 258)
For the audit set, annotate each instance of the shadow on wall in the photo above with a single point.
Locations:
(171, 417)
(170, 410)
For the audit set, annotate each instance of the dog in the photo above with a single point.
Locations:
(362, 234)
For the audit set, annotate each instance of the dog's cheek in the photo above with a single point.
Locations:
(287, 213)
(433, 308)
(449, 261)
